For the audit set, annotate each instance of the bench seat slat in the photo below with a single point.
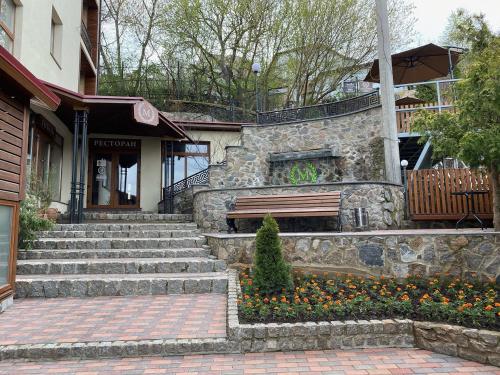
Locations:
(259, 197)
(285, 212)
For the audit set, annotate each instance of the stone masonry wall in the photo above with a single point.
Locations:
(383, 201)
(356, 138)
(472, 344)
(388, 253)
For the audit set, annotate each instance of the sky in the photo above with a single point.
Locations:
(432, 16)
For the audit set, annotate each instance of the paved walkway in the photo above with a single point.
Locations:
(345, 362)
(34, 321)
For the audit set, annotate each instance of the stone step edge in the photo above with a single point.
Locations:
(200, 237)
(117, 349)
(117, 260)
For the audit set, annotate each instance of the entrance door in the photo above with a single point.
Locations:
(114, 177)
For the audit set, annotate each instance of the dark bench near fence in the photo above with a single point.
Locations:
(286, 206)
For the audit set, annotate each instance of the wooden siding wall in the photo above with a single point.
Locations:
(430, 198)
(405, 115)
(13, 144)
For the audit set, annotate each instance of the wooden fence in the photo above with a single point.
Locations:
(430, 194)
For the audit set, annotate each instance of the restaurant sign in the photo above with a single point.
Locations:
(107, 143)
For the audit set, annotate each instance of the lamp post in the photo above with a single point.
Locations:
(256, 71)
(404, 164)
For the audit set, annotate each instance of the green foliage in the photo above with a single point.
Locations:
(309, 174)
(426, 92)
(271, 272)
(30, 222)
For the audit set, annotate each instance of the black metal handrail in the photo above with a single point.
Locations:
(312, 112)
(166, 204)
(86, 38)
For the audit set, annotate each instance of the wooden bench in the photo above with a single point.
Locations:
(286, 206)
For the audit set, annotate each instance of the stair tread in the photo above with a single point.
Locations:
(121, 276)
(118, 239)
(116, 250)
(115, 260)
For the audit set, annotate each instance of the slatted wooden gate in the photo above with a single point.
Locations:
(430, 198)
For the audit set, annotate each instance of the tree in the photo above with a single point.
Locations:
(271, 272)
(472, 133)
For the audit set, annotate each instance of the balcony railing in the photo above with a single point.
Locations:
(86, 38)
(443, 98)
(313, 112)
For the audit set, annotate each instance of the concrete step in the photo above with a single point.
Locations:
(124, 226)
(118, 243)
(49, 286)
(171, 233)
(117, 349)
(136, 216)
(118, 266)
(112, 253)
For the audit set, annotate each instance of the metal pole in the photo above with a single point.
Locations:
(438, 91)
(256, 99)
(171, 188)
(450, 64)
(405, 184)
(72, 200)
(391, 141)
(165, 175)
(83, 157)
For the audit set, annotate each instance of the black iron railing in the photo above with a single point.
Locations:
(312, 112)
(86, 38)
(167, 203)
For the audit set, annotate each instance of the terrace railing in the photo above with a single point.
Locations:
(313, 112)
(443, 93)
(86, 38)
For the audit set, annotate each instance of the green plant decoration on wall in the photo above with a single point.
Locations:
(309, 174)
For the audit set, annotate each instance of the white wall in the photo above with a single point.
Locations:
(219, 140)
(32, 40)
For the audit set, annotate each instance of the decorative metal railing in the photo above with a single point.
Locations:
(312, 112)
(86, 38)
(166, 205)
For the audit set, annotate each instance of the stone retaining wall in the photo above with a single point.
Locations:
(383, 201)
(476, 345)
(388, 253)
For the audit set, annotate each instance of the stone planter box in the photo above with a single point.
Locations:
(478, 345)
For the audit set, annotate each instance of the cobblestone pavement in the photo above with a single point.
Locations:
(345, 362)
(34, 321)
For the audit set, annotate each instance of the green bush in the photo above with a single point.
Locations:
(271, 272)
(30, 222)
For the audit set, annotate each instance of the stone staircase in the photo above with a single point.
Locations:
(124, 258)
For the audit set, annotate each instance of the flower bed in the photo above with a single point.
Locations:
(442, 298)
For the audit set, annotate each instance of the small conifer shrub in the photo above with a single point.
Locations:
(271, 272)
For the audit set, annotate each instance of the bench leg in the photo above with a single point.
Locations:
(231, 224)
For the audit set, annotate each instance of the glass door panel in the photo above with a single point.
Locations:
(127, 179)
(101, 179)
(6, 213)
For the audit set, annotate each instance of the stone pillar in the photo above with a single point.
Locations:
(391, 141)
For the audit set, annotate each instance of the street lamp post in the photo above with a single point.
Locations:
(256, 71)
(404, 164)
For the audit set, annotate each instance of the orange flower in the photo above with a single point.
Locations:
(246, 296)
(405, 297)
(306, 300)
(283, 299)
(274, 299)
(488, 308)
(497, 304)
(249, 282)
(266, 300)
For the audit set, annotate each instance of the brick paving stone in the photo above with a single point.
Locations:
(316, 362)
(35, 321)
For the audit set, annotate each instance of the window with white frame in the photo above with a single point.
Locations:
(56, 37)
(7, 18)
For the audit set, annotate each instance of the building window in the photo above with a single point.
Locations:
(45, 157)
(189, 158)
(7, 13)
(56, 37)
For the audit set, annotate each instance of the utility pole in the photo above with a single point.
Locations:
(391, 141)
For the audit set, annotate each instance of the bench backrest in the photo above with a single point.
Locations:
(311, 200)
